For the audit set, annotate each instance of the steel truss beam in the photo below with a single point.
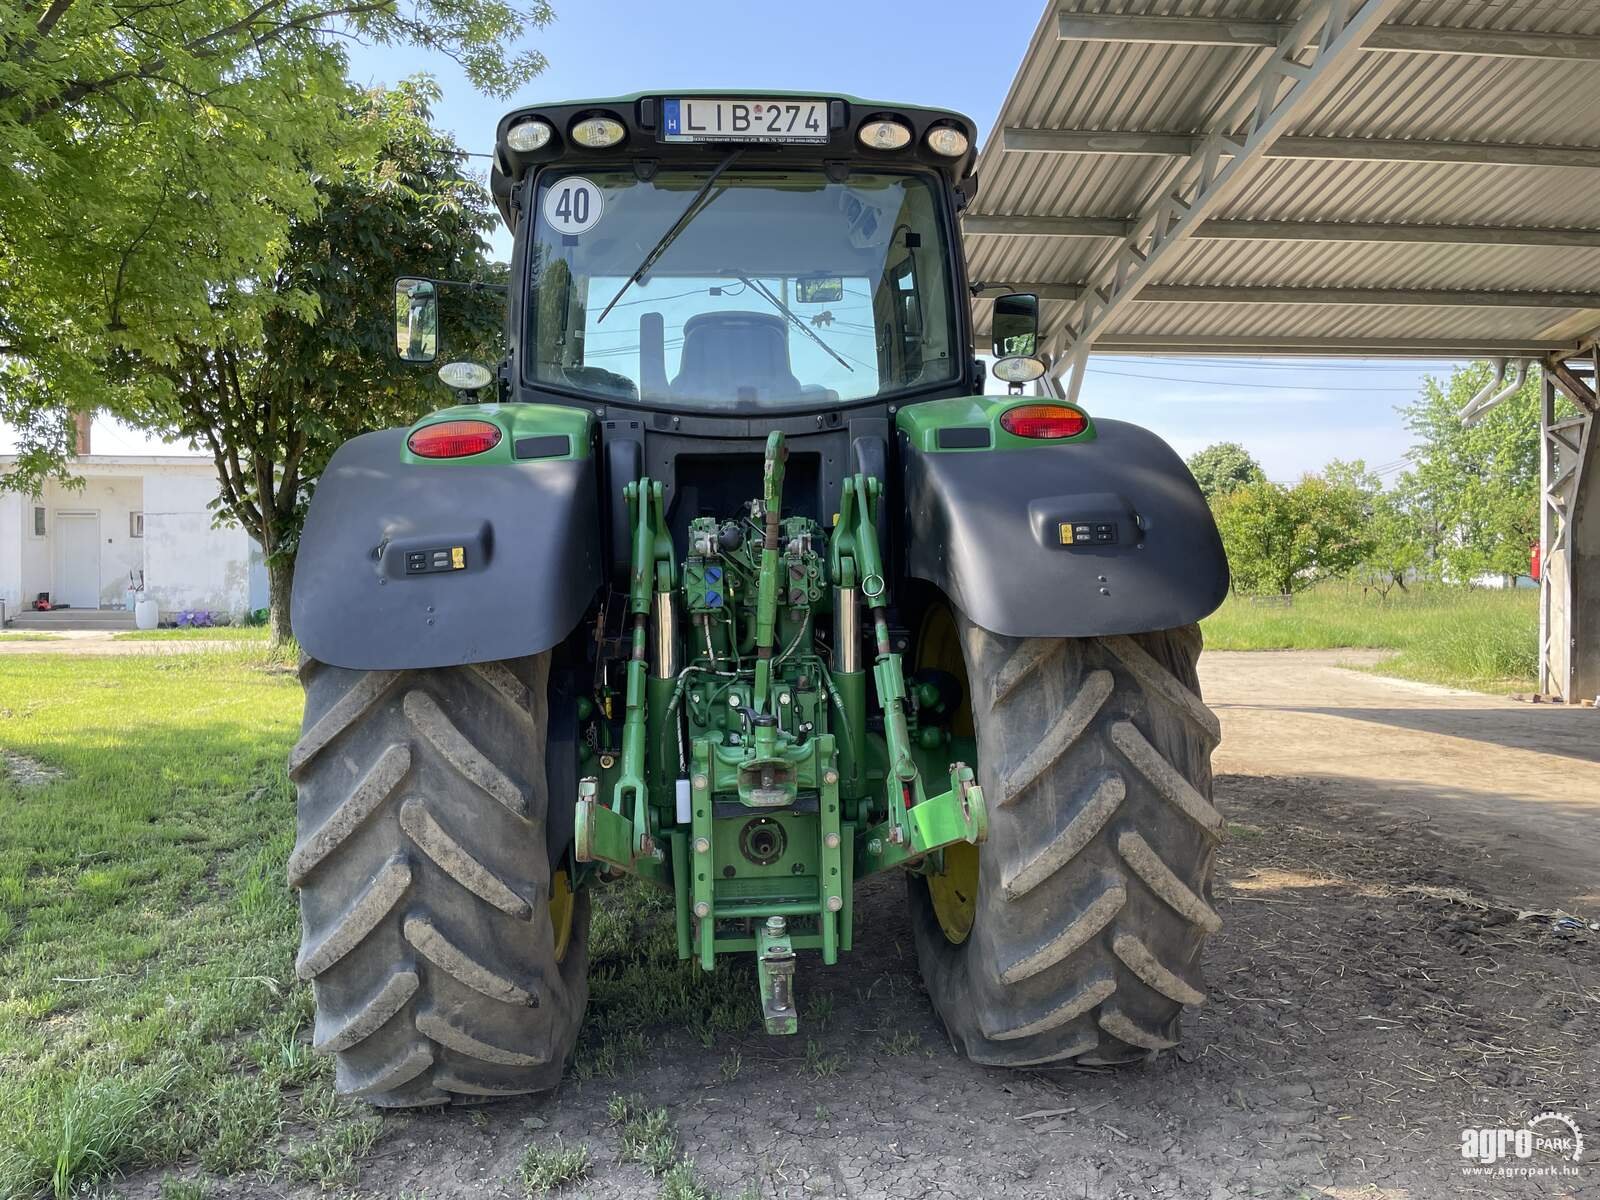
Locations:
(1400, 39)
(1569, 536)
(1291, 231)
(1306, 63)
(1387, 297)
(1158, 144)
(1321, 347)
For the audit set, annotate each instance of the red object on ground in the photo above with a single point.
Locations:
(1533, 561)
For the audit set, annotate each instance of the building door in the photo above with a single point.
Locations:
(77, 573)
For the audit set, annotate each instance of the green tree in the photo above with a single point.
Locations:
(1281, 540)
(271, 408)
(1223, 466)
(156, 154)
(1389, 529)
(1353, 475)
(1475, 488)
(1397, 544)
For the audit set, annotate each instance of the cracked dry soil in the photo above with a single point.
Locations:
(1367, 1000)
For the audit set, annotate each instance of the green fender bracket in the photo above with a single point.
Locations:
(958, 815)
(605, 836)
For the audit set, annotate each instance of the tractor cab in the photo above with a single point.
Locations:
(724, 255)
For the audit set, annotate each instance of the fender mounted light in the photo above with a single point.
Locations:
(453, 439)
(1043, 421)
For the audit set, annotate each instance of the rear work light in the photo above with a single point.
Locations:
(1045, 421)
(454, 439)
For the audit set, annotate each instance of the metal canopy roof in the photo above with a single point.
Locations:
(1299, 176)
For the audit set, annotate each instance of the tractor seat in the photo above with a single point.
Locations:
(734, 356)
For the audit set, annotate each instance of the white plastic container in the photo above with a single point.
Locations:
(146, 614)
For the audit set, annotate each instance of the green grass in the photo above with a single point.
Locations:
(820, 1065)
(29, 636)
(205, 633)
(1462, 637)
(330, 1161)
(648, 1136)
(639, 988)
(546, 1168)
(147, 1009)
(680, 1183)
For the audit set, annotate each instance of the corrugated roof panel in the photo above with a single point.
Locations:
(1379, 322)
(1406, 96)
(1355, 265)
(1420, 194)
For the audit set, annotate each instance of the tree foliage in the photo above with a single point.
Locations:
(1223, 466)
(1392, 537)
(1281, 540)
(157, 154)
(1397, 552)
(272, 408)
(1473, 490)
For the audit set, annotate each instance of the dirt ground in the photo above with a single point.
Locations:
(102, 642)
(1390, 972)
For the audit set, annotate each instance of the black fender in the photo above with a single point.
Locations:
(986, 528)
(529, 536)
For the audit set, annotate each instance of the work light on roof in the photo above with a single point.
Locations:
(948, 141)
(598, 133)
(529, 135)
(885, 135)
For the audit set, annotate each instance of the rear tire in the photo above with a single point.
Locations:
(1093, 894)
(426, 883)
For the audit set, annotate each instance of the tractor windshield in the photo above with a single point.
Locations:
(778, 289)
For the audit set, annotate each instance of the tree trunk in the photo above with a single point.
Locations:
(280, 582)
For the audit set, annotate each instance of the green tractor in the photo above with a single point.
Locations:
(730, 577)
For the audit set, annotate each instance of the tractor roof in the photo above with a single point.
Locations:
(642, 117)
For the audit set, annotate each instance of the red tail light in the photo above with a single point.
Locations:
(454, 439)
(1043, 421)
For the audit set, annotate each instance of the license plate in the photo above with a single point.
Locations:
(687, 120)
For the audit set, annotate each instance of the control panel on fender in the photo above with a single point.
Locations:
(436, 558)
(1088, 533)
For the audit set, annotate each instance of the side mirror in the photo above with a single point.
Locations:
(416, 320)
(1015, 325)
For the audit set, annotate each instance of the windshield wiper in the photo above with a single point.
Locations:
(794, 319)
(671, 235)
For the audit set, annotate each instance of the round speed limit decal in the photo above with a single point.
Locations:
(573, 205)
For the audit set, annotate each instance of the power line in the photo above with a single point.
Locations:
(1277, 387)
(1257, 365)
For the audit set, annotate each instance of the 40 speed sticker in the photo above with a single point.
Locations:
(573, 205)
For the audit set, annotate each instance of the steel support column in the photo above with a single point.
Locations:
(1569, 538)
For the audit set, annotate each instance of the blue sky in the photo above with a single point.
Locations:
(1292, 415)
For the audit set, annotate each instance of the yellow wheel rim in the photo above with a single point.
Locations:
(954, 891)
(561, 905)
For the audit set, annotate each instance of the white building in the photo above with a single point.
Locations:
(135, 513)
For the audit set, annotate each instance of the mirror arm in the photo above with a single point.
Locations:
(502, 288)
